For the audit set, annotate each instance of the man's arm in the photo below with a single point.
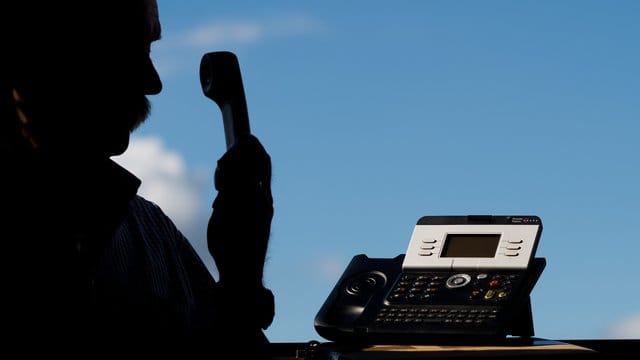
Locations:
(238, 234)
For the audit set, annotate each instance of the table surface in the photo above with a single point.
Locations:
(517, 348)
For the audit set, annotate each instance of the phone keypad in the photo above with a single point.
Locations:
(436, 315)
(451, 299)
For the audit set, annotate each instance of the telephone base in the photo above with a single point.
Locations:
(360, 309)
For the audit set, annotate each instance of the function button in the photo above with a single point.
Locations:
(408, 277)
(425, 253)
(431, 247)
(513, 247)
(511, 253)
(476, 294)
(458, 280)
(489, 294)
(515, 241)
(429, 241)
(396, 297)
(400, 289)
(481, 276)
(502, 295)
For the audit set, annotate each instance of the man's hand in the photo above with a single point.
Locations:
(240, 224)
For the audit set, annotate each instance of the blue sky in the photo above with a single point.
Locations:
(376, 113)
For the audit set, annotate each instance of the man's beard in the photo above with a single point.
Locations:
(128, 119)
(108, 131)
(139, 113)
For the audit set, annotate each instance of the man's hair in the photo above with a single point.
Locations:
(39, 33)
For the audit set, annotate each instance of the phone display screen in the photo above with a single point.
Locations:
(470, 245)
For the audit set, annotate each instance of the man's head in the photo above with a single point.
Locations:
(78, 73)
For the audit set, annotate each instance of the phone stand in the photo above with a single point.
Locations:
(522, 325)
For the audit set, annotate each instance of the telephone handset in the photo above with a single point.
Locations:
(221, 81)
(463, 279)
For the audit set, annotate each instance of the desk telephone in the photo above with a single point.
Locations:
(462, 279)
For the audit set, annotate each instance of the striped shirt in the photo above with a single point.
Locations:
(85, 260)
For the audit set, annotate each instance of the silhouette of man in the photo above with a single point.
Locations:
(86, 262)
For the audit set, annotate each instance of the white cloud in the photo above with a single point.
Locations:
(165, 178)
(627, 328)
(294, 24)
(178, 49)
(223, 32)
(231, 32)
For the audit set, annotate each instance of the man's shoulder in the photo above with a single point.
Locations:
(148, 215)
(140, 202)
